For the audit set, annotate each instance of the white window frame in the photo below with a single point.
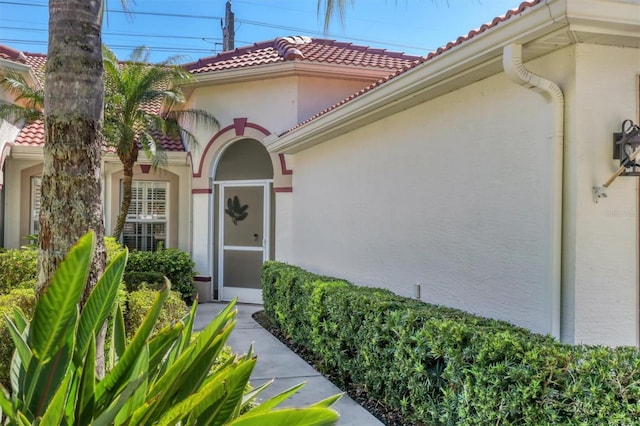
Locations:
(34, 204)
(145, 217)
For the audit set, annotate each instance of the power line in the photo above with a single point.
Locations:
(295, 30)
(127, 12)
(117, 34)
(120, 46)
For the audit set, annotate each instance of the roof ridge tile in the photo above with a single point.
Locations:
(12, 54)
(285, 46)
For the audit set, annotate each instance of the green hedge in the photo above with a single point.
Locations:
(112, 247)
(24, 299)
(140, 301)
(444, 366)
(175, 264)
(18, 269)
(135, 280)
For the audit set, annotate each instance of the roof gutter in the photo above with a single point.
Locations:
(173, 158)
(289, 69)
(5, 152)
(25, 69)
(516, 71)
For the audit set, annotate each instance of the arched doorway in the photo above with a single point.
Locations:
(243, 181)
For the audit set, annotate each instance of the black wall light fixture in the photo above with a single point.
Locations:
(626, 148)
(625, 143)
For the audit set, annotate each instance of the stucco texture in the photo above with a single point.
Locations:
(453, 194)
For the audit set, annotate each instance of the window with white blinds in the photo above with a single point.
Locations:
(146, 224)
(34, 225)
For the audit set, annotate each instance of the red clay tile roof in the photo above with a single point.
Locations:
(34, 60)
(306, 49)
(462, 39)
(32, 134)
(37, 62)
(11, 54)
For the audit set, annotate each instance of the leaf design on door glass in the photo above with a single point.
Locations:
(236, 210)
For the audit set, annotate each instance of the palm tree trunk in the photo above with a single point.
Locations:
(71, 192)
(127, 182)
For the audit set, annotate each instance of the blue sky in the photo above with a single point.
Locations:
(191, 28)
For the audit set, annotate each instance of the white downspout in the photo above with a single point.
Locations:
(515, 70)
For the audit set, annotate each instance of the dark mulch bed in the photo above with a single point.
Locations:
(386, 415)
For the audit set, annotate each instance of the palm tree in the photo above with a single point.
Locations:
(71, 189)
(28, 101)
(132, 124)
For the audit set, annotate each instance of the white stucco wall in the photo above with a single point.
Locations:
(274, 104)
(315, 93)
(283, 227)
(605, 272)
(270, 104)
(202, 252)
(453, 194)
(8, 132)
(277, 104)
(428, 196)
(13, 237)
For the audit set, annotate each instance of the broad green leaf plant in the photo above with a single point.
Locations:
(166, 378)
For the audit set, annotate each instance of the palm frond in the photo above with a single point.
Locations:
(152, 147)
(192, 118)
(136, 93)
(332, 7)
(140, 54)
(17, 114)
(28, 102)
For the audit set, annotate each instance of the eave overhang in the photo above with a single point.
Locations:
(289, 69)
(173, 158)
(23, 69)
(26, 152)
(542, 29)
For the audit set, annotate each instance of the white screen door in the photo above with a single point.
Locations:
(243, 223)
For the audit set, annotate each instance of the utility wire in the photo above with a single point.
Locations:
(242, 21)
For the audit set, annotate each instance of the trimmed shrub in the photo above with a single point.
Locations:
(135, 280)
(18, 269)
(175, 264)
(24, 299)
(139, 303)
(112, 247)
(439, 365)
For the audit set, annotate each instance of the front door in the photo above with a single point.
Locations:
(243, 223)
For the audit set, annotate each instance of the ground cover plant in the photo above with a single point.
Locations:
(163, 378)
(438, 365)
(150, 266)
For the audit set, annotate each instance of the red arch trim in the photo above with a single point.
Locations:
(283, 189)
(238, 126)
(202, 191)
(283, 165)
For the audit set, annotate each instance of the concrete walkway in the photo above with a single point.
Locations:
(277, 361)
